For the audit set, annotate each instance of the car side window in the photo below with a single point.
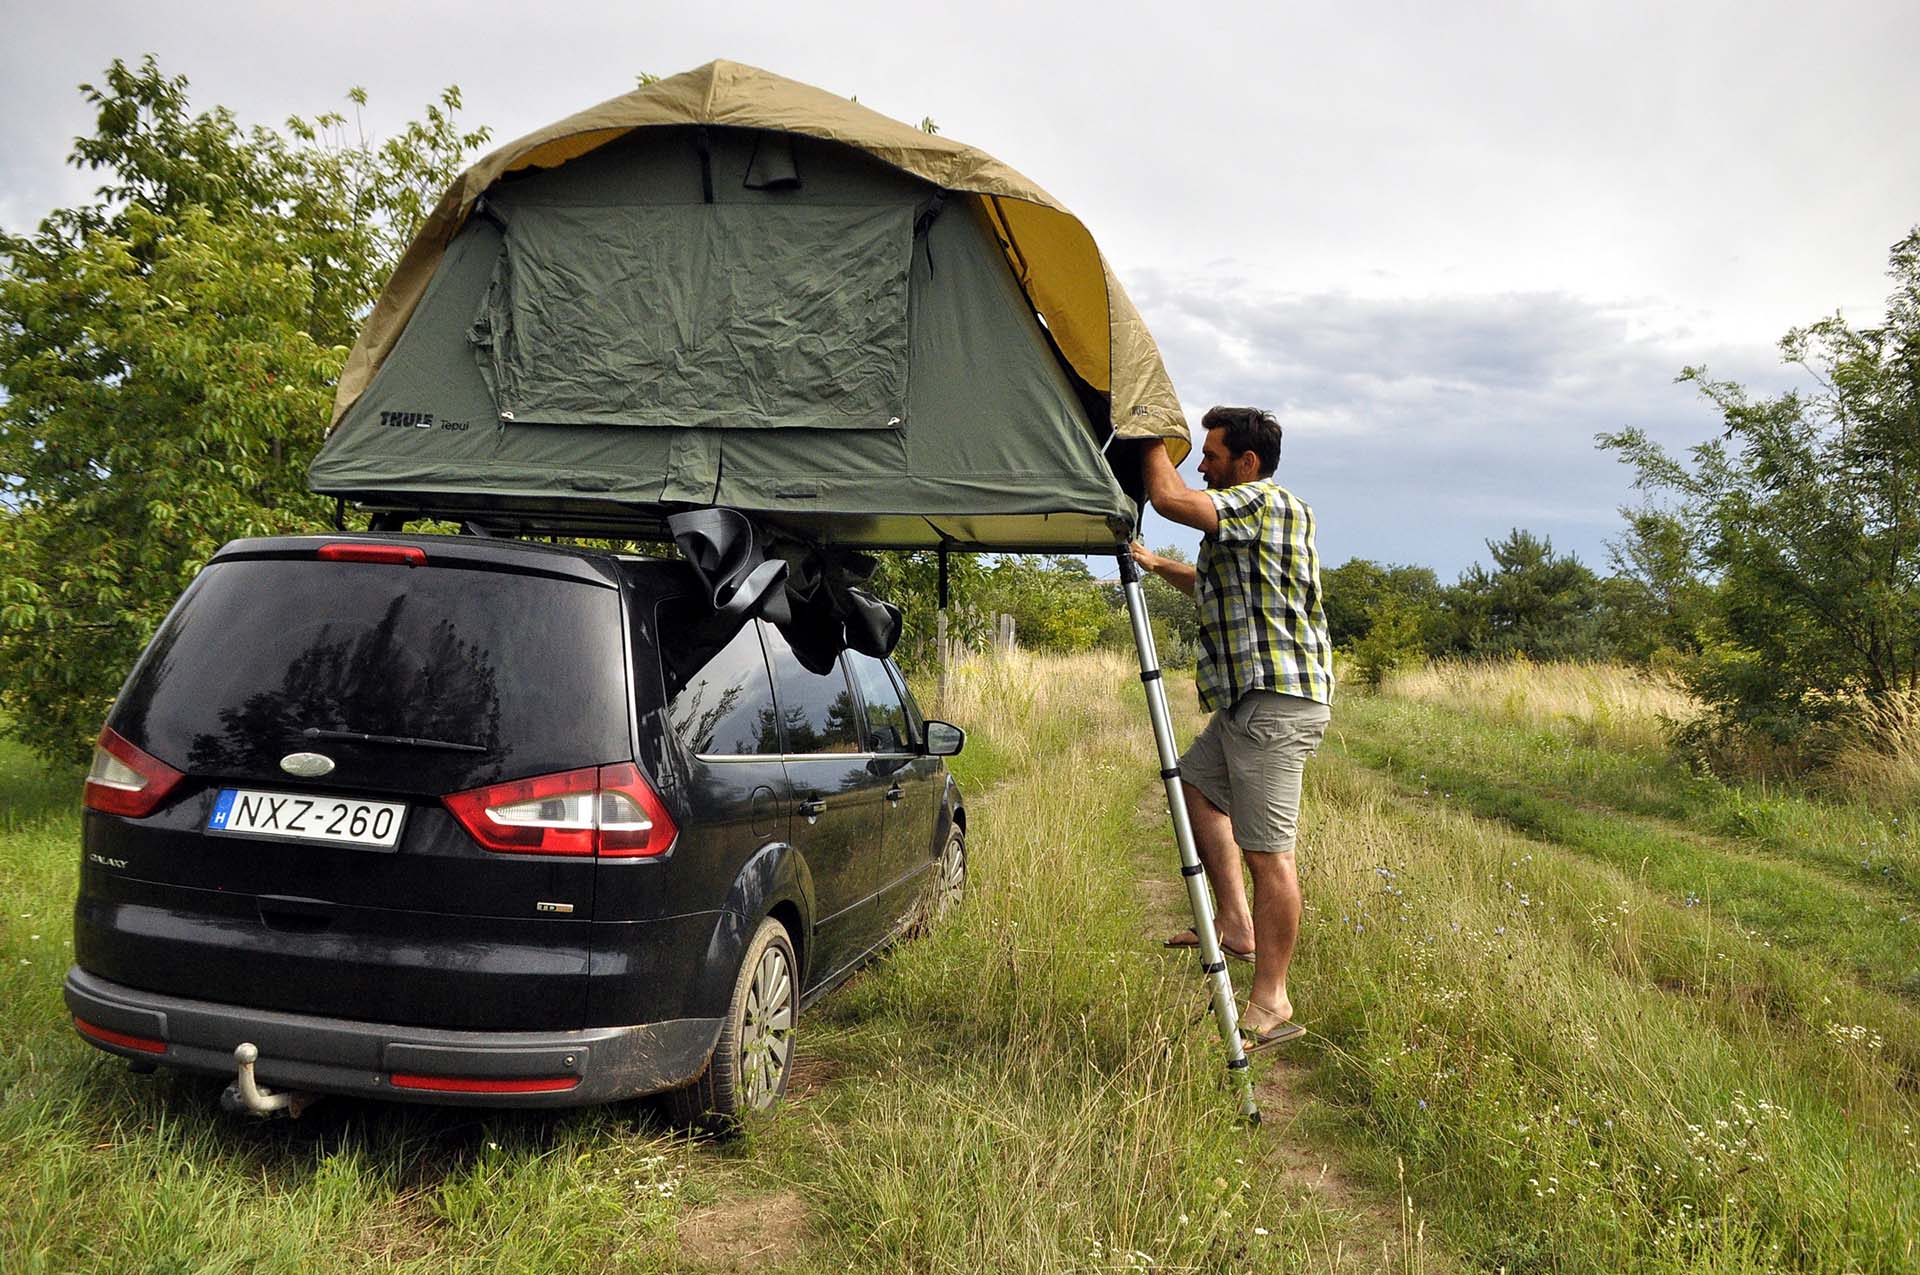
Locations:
(916, 724)
(886, 716)
(817, 710)
(719, 696)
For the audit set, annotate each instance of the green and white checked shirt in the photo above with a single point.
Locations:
(1257, 586)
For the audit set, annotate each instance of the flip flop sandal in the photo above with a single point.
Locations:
(1186, 939)
(1252, 1041)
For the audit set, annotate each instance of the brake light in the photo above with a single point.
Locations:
(607, 810)
(633, 823)
(125, 780)
(348, 551)
(142, 1043)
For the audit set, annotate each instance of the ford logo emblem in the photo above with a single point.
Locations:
(307, 765)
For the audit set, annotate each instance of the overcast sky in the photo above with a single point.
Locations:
(1448, 243)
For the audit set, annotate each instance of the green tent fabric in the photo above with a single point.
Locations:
(700, 315)
(706, 316)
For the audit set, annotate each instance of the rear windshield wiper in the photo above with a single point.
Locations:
(405, 741)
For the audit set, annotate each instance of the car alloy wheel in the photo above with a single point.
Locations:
(754, 1055)
(766, 1026)
(952, 885)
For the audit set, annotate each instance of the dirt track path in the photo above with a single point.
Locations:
(1380, 1232)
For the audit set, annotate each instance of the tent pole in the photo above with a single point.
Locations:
(1213, 962)
(940, 628)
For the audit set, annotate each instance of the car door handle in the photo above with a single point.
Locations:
(812, 808)
(895, 793)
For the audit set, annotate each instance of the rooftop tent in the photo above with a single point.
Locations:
(730, 289)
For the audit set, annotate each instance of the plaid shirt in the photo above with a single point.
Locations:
(1257, 586)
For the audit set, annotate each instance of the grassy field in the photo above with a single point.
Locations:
(1572, 1008)
(1619, 1017)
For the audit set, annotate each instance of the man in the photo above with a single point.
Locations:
(1266, 672)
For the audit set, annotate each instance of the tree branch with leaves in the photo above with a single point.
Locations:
(168, 353)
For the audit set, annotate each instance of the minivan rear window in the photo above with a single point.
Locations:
(718, 696)
(506, 674)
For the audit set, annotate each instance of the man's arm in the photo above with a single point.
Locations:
(1178, 574)
(1173, 499)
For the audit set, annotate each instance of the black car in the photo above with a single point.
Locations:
(464, 820)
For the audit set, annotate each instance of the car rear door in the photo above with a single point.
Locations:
(712, 709)
(838, 811)
(911, 794)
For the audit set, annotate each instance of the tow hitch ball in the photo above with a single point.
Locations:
(246, 1094)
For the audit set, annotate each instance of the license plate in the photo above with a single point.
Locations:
(293, 816)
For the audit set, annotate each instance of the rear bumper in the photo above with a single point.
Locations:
(362, 1059)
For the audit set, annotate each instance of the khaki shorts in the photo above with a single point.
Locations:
(1248, 760)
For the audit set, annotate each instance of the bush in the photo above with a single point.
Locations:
(1391, 641)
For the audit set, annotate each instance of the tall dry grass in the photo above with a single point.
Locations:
(1880, 763)
(1873, 758)
(1585, 1071)
(1026, 689)
(1612, 704)
(1591, 1078)
(1038, 1093)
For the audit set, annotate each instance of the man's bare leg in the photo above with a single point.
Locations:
(1220, 855)
(1276, 925)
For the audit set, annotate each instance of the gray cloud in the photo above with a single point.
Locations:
(1420, 428)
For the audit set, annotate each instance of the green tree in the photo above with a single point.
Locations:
(1658, 602)
(1532, 602)
(1055, 602)
(1359, 590)
(911, 581)
(167, 354)
(1806, 513)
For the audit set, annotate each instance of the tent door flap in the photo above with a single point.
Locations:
(700, 316)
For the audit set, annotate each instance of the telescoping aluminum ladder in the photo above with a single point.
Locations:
(1213, 962)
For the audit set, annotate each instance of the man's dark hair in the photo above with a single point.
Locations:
(1248, 429)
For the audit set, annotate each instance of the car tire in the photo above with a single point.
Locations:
(951, 885)
(948, 887)
(754, 1055)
